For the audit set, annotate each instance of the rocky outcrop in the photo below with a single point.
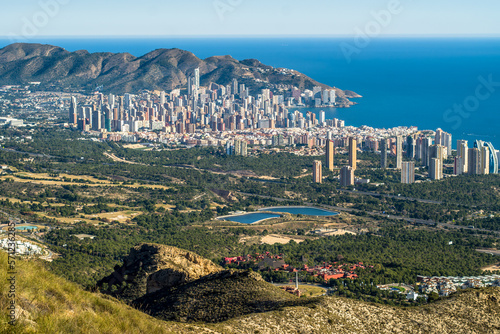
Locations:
(218, 297)
(152, 267)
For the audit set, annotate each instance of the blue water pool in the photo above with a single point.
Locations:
(250, 218)
(26, 228)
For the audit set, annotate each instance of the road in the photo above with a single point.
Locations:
(403, 198)
(379, 214)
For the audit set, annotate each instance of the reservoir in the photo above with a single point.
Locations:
(250, 218)
(26, 227)
(301, 210)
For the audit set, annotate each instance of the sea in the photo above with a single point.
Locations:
(449, 83)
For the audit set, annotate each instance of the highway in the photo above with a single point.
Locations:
(379, 214)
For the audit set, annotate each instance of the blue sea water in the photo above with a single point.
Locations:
(300, 210)
(410, 82)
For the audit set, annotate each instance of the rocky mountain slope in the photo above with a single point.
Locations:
(218, 297)
(49, 304)
(151, 267)
(163, 69)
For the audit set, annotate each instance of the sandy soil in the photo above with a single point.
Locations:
(272, 239)
(493, 267)
(133, 146)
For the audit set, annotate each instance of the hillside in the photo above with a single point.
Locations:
(163, 69)
(218, 297)
(49, 304)
(151, 267)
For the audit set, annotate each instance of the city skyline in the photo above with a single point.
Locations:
(244, 18)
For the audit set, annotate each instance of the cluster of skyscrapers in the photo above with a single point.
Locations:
(424, 148)
(216, 108)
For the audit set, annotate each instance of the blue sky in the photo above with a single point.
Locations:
(247, 17)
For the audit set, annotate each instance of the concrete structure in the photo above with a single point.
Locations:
(347, 176)
(436, 169)
(353, 146)
(408, 172)
(317, 172)
(383, 152)
(330, 154)
(399, 152)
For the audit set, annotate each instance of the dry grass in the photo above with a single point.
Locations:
(48, 304)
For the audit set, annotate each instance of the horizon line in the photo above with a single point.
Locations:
(292, 36)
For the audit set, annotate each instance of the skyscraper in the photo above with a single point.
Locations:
(352, 152)
(485, 160)
(317, 171)
(321, 117)
(444, 139)
(410, 147)
(424, 148)
(73, 115)
(491, 158)
(330, 153)
(399, 152)
(346, 176)
(437, 151)
(436, 169)
(474, 161)
(408, 172)
(197, 78)
(463, 152)
(458, 166)
(383, 151)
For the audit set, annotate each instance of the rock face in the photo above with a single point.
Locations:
(151, 267)
(118, 73)
(218, 297)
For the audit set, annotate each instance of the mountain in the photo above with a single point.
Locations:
(152, 267)
(162, 69)
(47, 303)
(218, 297)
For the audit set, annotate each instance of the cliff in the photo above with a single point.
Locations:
(151, 267)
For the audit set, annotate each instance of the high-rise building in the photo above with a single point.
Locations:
(491, 158)
(436, 169)
(383, 151)
(317, 171)
(463, 152)
(410, 147)
(425, 151)
(399, 152)
(408, 172)
(485, 160)
(458, 166)
(96, 120)
(330, 154)
(111, 101)
(321, 117)
(73, 113)
(444, 139)
(474, 161)
(197, 78)
(353, 152)
(347, 176)
(437, 151)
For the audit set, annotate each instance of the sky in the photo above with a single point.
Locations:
(31, 18)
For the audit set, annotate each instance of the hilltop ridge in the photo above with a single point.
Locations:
(161, 69)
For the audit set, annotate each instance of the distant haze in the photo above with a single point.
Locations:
(245, 17)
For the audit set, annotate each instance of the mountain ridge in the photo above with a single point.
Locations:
(160, 69)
